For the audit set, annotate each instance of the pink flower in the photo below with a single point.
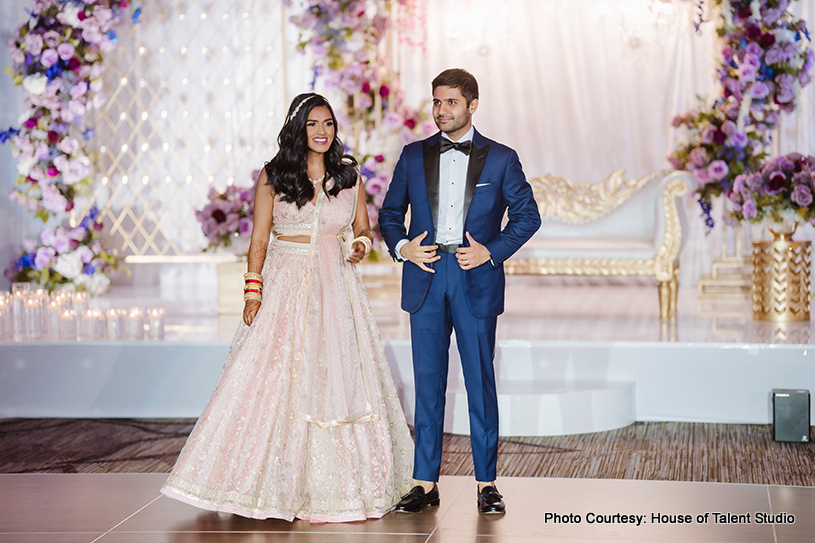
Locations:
(65, 51)
(49, 58)
(698, 157)
(85, 254)
(44, 258)
(760, 90)
(708, 133)
(79, 89)
(51, 38)
(69, 146)
(393, 120)
(702, 175)
(33, 43)
(52, 171)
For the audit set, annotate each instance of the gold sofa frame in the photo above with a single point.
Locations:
(577, 203)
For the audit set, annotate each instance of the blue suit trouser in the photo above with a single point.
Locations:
(445, 309)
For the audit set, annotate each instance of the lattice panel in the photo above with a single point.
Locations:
(197, 95)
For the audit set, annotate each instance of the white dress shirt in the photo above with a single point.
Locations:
(452, 181)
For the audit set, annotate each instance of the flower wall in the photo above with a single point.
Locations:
(58, 59)
(764, 60)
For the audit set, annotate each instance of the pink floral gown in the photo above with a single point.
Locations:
(304, 421)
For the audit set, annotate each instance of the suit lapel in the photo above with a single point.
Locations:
(478, 156)
(430, 151)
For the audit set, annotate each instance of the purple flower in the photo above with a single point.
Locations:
(774, 55)
(676, 164)
(677, 120)
(698, 157)
(748, 209)
(801, 178)
(753, 49)
(718, 169)
(738, 184)
(801, 195)
(708, 133)
(701, 175)
(739, 140)
(729, 128)
(760, 90)
(44, 257)
(245, 227)
(754, 182)
(785, 96)
(33, 43)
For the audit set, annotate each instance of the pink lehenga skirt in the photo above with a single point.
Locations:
(304, 421)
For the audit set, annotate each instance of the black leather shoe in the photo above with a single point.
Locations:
(489, 501)
(416, 500)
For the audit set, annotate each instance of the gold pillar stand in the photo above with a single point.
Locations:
(781, 277)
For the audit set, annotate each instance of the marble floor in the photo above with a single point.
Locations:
(537, 308)
(127, 508)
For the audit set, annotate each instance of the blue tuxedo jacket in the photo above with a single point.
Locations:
(495, 183)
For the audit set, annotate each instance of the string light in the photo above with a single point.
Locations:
(124, 180)
(124, 148)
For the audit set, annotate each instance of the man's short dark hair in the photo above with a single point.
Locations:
(458, 79)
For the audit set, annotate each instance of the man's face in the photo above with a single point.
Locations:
(450, 111)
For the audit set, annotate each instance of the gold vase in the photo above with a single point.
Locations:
(781, 282)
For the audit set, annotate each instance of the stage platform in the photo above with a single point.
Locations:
(571, 358)
(127, 508)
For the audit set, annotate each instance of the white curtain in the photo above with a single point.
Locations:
(583, 87)
(578, 87)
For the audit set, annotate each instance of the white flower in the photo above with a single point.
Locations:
(35, 84)
(38, 134)
(70, 15)
(69, 265)
(25, 164)
(69, 146)
(25, 116)
(99, 283)
(784, 35)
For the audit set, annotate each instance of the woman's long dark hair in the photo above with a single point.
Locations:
(288, 170)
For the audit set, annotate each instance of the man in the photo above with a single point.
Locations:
(458, 185)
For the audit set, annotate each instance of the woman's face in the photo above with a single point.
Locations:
(320, 129)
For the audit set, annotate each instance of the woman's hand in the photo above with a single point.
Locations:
(250, 309)
(357, 253)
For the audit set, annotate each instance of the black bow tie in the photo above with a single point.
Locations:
(463, 146)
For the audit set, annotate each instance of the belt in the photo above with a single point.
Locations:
(449, 249)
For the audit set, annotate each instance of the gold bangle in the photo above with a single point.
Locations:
(252, 296)
(252, 275)
(366, 241)
(248, 286)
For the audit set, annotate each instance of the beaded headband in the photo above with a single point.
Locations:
(294, 113)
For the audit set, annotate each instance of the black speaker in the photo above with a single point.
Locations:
(791, 415)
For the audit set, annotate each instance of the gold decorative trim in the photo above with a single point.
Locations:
(664, 266)
(582, 202)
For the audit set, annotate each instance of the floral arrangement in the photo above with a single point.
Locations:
(780, 192)
(765, 59)
(344, 36)
(73, 258)
(57, 59)
(228, 215)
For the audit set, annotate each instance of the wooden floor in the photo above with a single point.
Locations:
(663, 451)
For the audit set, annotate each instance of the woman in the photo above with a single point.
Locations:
(304, 421)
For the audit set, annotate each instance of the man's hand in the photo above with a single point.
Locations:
(420, 254)
(250, 309)
(472, 256)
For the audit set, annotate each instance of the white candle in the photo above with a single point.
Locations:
(54, 311)
(6, 319)
(33, 320)
(134, 324)
(68, 325)
(155, 318)
(114, 324)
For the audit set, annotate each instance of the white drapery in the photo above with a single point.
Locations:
(578, 87)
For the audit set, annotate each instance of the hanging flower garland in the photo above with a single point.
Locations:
(57, 58)
(764, 61)
(344, 36)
